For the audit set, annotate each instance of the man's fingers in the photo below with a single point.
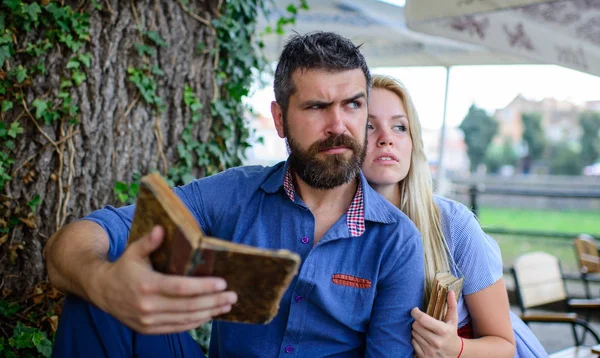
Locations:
(162, 304)
(180, 286)
(172, 323)
(146, 245)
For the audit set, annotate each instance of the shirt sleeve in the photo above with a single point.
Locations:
(476, 254)
(399, 290)
(116, 223)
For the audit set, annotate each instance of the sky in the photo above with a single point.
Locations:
(489, 87)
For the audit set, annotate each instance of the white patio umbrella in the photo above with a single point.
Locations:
(386, 42)
(564, 32)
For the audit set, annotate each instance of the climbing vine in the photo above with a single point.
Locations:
(29, 32)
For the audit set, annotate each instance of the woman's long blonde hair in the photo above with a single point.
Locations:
(416, 190)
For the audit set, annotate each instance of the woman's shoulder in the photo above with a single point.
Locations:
(449, 209)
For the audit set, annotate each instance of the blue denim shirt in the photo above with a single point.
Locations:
(319, 315)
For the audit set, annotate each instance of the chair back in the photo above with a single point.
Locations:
(588, 258)
(538, 279)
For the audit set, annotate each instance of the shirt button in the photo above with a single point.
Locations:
(298, 298)
(305, 240)
(289, 349)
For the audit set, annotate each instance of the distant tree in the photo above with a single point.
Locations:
(590, 140)
(565, 159)
(534, 137)
(479, 129)
(498, 156)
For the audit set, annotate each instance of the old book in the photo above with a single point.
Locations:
(444, 282)
(260, 277)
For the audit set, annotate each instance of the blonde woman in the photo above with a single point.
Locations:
(481, 324)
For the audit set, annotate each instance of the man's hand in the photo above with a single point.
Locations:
(433, 338)
(150, 302)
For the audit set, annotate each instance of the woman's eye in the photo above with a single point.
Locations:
(399, 128)
(370, 126)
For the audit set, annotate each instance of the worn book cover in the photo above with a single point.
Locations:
(260, 277)
(443, 283)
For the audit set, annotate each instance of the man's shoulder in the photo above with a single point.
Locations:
(238, 177)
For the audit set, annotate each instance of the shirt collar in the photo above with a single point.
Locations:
(367, 204)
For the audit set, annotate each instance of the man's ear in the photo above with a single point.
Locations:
(277, 118)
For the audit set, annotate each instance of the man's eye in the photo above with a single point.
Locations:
(354, 105)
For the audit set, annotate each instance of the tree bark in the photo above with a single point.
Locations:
(117, 133)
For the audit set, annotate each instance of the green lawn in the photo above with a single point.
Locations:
(540, 220)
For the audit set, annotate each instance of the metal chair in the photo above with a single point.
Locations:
(539, 281)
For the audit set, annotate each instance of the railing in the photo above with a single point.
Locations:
(475, 190)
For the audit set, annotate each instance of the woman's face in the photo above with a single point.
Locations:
(389, 145)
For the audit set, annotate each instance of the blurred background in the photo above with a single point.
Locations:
(511, 126)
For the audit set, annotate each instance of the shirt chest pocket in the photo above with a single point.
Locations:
(350, 299)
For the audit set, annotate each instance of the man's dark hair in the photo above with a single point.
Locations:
(315, 51)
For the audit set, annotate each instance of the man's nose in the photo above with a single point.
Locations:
(335, 122)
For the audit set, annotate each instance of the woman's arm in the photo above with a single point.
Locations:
(490, 315)
(489, 310)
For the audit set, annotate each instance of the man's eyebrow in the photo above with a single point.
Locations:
(355, 97)
(315, 102)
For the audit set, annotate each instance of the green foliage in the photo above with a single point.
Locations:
(533, 134)
(26, 342)
(566, 159)
(479, 129)
(145, 82)
(590, 139)
(127, 192)
(54, 25)
(498, 156)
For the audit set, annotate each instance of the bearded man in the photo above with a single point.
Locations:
(362, 260)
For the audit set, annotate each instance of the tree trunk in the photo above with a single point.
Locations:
(73, 167)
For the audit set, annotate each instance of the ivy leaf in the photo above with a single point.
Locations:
(22, 336)
(292, 9)
(20, 73)
(78, 77)
(145, 50)
(97, 5)
(155, 70)
(34, 203)
(155, 37)
(33, 10)
(8, 309)
(4, 54)
(66, 84)
(86, 59)
(45, 347)
(40, 107)
(12, 4)
(200, 47)
(15, 128)
(73, 63)
(6, 105)
(2, 27)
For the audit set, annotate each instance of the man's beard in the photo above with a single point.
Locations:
(332, 171)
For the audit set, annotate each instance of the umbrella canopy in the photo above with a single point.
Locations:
(564, 32)
(386, 40)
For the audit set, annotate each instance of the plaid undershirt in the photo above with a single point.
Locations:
(355, 216)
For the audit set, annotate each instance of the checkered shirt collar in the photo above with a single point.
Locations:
(355, 216)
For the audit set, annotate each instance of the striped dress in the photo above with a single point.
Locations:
(479, 261)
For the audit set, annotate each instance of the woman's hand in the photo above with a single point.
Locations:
(433, 338)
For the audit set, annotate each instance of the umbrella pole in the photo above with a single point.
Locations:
(442, 183)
